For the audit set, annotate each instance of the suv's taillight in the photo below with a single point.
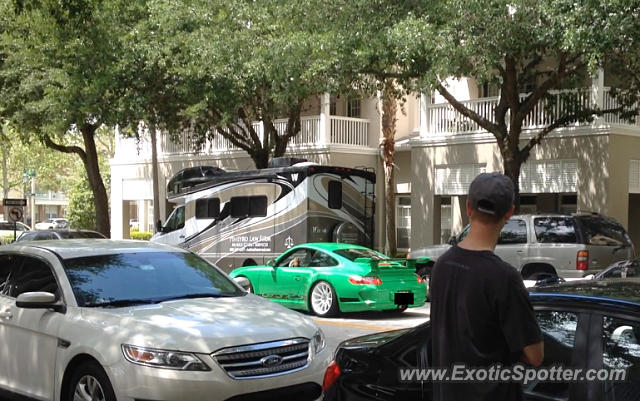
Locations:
(331, 375)
(582, 260)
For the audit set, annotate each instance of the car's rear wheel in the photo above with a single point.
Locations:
(90, 383)
(323, 299)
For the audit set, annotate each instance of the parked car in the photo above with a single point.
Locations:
(571, 246)
(585, 325)
(125, 320)
(7, 229)
(623, 269)
(327, 278)
(41, 235)
(134, 224)
(52, 224)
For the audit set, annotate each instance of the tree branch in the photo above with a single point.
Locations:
(465, 111)
(65, 149)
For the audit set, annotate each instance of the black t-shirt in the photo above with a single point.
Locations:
(480, 316)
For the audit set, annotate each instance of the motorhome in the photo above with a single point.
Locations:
(245, 218)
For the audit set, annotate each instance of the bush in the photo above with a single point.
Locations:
(141, 235)
(6, 239)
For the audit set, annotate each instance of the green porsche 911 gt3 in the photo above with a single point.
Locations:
(327, 278)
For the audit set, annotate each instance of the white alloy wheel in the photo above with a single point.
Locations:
(323, 299)
(88, 389)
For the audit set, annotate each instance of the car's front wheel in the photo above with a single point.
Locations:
(90, 383)
(323, 299)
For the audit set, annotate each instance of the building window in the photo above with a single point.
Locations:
(403, 222)
(528, 204)
(489, 90)
(568, 203)
(445, 220)
(353, 108)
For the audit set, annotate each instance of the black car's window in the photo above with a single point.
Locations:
(355, 253)
(559, 332)
(514, 232)
(555, 230)
(602, 231)
(34, 275)
(622, 350)
(322, 259)
(297, 258)
(9, 269)
(150, 276)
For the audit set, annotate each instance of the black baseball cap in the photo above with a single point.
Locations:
(491, 193)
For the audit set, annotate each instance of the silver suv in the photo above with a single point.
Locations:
(571, 246)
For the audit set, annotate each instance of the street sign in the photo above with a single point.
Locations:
(14, 202)
(16, 214)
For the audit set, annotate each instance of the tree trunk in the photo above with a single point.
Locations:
(5, 175)
(154, 175)
(260, 158)
(511, 165)
(389, 110)
(92, 166)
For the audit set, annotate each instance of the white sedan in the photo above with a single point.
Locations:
(105, 320)
(52, 224)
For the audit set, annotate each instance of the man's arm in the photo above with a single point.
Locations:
(533, 354)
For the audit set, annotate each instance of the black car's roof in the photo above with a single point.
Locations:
(620, 293)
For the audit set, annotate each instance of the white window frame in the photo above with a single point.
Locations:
(400, 222)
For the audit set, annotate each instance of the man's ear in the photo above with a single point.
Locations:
(469, 210)
(509, 213)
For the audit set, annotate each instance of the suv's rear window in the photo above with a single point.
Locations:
(555, 229)
(602, 231)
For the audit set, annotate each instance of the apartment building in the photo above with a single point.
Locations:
(585, 167)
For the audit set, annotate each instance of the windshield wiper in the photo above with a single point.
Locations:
(120, 303)
(198, 295)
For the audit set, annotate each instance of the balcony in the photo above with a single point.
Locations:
(315, 131)
(443, 119)
(50, 198)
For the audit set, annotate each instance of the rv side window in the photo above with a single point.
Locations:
(176, 220)
(248, 206)
(208, 208)
(335, 195)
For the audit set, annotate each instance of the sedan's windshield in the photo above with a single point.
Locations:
(145, 277)
(355, 253)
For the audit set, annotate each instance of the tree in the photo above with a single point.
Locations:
(58, 79)
(528, 49)
(237, 64)
(364, 60)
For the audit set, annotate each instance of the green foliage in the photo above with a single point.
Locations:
(81, 210)
(6, 239)
(141, 235)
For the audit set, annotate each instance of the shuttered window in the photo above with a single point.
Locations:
(549, 176)
(455, 179)
(634, 176)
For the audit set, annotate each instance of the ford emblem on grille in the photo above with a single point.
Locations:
(271, 360)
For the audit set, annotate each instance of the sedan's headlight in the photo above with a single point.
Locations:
(318, 343)
(158, 358)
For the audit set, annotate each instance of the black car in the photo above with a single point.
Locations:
(586, 324)
(40, 235)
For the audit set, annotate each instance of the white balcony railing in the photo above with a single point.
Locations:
(442, 118)
(342, 130)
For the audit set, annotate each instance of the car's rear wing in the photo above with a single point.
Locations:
(393, 263)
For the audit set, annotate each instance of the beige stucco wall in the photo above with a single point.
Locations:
(622, 207)
(591, 153)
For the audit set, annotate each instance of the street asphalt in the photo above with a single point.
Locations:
(348, 325)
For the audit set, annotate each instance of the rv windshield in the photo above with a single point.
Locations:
(355, 253)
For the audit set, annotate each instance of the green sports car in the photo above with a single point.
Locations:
(327, 278)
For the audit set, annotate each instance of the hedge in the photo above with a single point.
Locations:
(141, 235)
(6, 239)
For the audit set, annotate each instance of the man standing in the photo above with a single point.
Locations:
(480, 309)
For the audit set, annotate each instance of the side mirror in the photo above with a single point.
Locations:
(39, 300)
(589, 277)
(243, 282)
(271, 262)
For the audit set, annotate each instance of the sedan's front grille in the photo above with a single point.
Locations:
(264, 359)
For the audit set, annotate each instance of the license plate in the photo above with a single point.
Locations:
(403, 298)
